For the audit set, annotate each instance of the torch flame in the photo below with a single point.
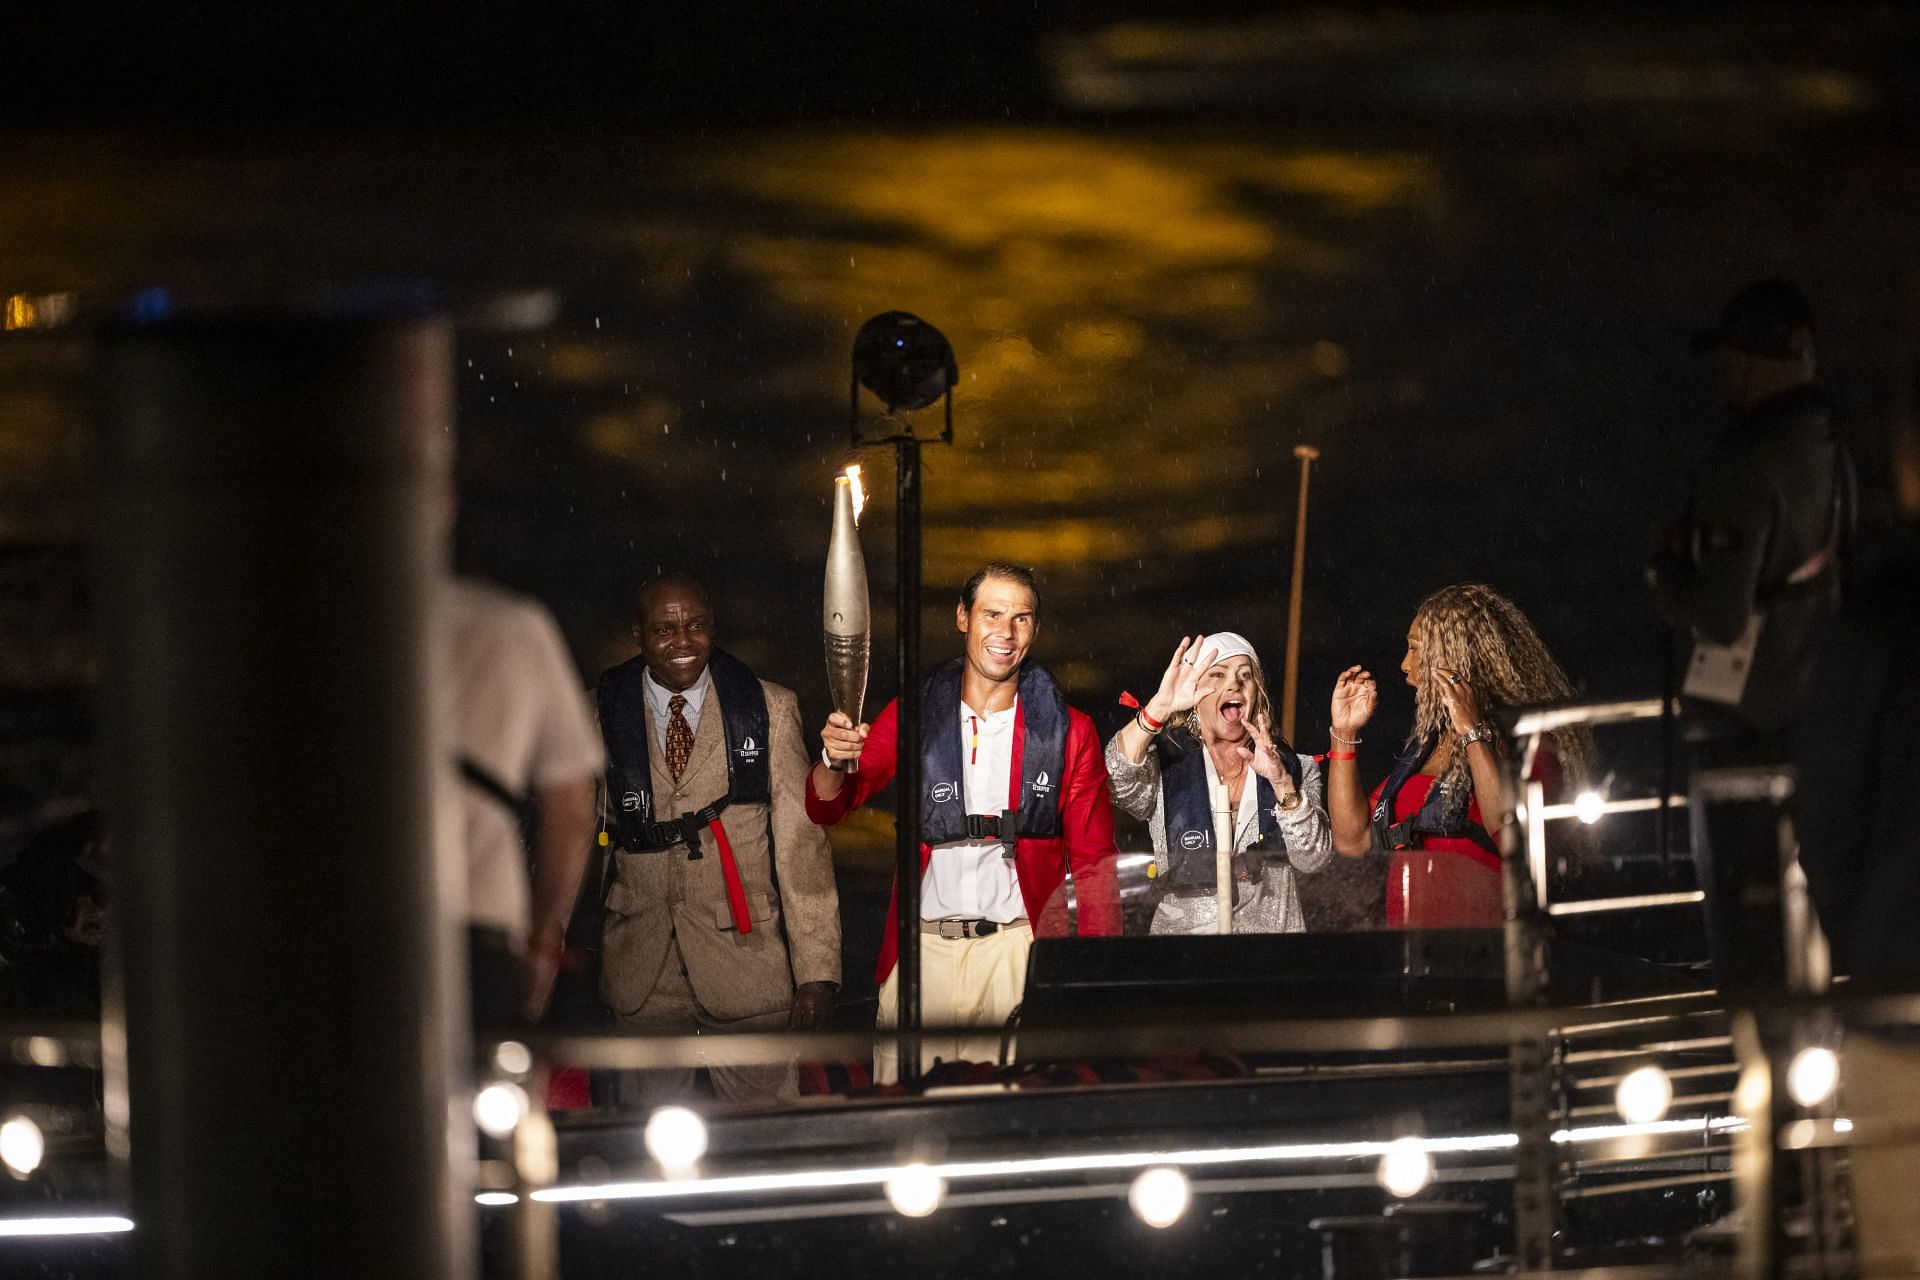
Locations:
(859, 491)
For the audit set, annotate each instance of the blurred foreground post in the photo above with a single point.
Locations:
(281, 1012)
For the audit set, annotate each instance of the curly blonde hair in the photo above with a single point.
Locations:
(1481, 636)
(1259, 708)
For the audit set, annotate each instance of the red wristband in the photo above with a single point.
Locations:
(1341, 755)
(1151, 725)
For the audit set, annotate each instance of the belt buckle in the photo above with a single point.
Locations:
(952, 929)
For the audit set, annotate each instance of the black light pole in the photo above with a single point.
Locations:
(908, 364)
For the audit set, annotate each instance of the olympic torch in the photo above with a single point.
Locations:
(845, 627)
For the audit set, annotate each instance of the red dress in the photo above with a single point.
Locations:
(1451, 882)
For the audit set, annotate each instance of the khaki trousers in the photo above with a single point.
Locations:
(672, 1007)
(1882, 1084)
(964, 982)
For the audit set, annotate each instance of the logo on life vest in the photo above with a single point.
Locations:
(748, 750)
(633, 802)
(1041, 785)
(945, 792)
(1192, 839)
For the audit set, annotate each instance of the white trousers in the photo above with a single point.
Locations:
(964, 982)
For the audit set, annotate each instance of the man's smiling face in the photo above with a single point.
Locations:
(999, 628)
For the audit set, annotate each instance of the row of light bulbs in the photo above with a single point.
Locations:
(1644, 1094)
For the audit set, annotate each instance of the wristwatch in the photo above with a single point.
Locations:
(1479, 733)
(1292, 803)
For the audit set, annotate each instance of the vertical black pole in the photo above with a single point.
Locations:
(282, 1029)
(1669, 747)
(906, 780)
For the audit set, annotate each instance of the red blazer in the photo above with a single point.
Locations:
(1085, 842)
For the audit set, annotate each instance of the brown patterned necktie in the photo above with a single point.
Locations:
(679, 736)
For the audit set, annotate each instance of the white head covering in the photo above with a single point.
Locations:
(1225, 645)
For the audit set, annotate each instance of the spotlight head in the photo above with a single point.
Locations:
(904, 361)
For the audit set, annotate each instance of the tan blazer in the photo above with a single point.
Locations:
(657, 898)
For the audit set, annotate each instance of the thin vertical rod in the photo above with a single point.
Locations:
(1290, 689)
(906, 782)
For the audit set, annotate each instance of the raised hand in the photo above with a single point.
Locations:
(1264, 759)
(1463, 705)
(1178, 683)
(1354, 696)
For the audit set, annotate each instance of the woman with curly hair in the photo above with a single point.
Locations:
(1201, 765)
(1470, 653)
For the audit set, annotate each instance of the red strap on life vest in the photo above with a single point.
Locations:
(730, 872)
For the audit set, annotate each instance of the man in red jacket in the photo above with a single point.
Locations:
(1014, 793)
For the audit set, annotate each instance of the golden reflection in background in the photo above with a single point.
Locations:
(1106, 298)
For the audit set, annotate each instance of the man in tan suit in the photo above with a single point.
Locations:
(722, 911)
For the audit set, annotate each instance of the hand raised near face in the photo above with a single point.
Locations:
(1354, 696)
(1178, 683)
(1264, 758)
(1462, 703)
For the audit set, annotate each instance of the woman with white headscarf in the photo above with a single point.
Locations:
(1200, 764)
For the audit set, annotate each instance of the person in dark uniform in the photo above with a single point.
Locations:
(1748, 575)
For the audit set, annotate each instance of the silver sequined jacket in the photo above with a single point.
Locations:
(1270, 906)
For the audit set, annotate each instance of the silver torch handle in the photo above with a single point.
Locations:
(845, 620)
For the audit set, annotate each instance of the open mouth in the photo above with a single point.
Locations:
(1004, 652)
(1233, 710)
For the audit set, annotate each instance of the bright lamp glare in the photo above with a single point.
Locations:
(916, 1191)
(1589, 806)
(1406, 1169)
(1813, 1075)
(22, 1146)
(1160, 1195)
(1644, 1095)
(676, 1137)
(499, 1108)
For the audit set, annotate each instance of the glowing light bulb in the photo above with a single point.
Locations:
(513, 1058)
(1160, 1195)
(499, 1108)
(1589, 807)
(22, 1146)
(915, 1190)
(676, 1137)
(1813, 1075)
(1406, 1168)
(1644, 1095)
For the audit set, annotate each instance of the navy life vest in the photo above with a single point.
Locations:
(623, 723)
(1191, 846)
(1441, 814)
(1043, 762)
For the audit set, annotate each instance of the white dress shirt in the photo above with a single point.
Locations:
(972, 879)
(658, 696)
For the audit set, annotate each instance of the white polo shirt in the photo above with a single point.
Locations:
(972, 879)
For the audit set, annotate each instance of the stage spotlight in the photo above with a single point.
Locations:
(1589, 806)
(1644, 1095)
(1160, 1195)
(915, 1190)
(903, 360)
(676, 1137)
(1813, 1075)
